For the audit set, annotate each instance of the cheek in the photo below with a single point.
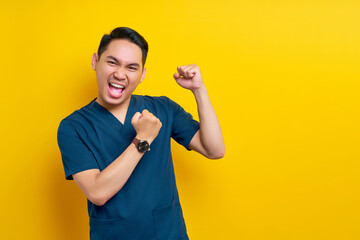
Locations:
(102, 76)
(136, 78)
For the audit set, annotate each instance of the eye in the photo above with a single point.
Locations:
(111, 62)
(132, 68)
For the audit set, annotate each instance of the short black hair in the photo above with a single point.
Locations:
(127, 34)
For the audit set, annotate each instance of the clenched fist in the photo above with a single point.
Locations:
(189, 77)
(146, 125)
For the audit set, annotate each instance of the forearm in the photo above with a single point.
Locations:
(110, 181)
(210, 131)
(98, 186)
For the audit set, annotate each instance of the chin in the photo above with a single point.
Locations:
(115, 101)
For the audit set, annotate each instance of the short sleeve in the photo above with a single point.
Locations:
(76, 157)
(184, 126)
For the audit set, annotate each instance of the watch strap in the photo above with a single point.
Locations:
(136, 141)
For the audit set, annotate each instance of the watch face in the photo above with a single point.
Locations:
(143, 146)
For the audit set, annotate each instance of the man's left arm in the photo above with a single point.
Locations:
(208, 140)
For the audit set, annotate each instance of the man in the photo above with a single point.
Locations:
(117, 148)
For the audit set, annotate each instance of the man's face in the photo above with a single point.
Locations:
(118, 72)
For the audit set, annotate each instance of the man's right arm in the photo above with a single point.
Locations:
(98, 186)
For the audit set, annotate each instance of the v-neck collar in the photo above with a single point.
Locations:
(111, 117)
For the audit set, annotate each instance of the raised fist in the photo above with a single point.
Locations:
(189, 77)
(146, 125)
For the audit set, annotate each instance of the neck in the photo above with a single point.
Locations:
(118, 110)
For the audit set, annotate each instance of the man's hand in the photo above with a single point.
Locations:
(189, 77)
(146, 125)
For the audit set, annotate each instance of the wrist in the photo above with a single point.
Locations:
(199, 91)
(140, 137)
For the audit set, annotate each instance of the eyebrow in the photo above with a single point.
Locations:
(117, 61)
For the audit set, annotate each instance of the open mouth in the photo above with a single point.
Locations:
(116, 90)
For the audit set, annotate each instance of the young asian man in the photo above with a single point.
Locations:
(117, 148)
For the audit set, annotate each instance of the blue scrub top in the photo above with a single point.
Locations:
(147, 206)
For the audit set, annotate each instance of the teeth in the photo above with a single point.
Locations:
(116, 85)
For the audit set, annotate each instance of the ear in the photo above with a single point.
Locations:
(143, 74)
(94, 61)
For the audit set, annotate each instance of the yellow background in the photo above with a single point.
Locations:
(283, 77)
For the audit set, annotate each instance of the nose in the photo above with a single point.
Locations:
(119, 73)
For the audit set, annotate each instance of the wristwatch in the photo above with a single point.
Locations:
(142, 145)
